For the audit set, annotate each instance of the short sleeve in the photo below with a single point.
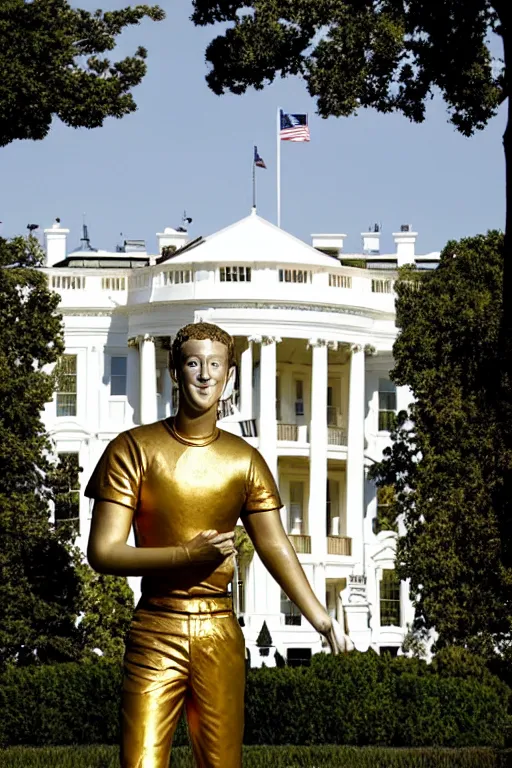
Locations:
(118, 474)
(262, 493)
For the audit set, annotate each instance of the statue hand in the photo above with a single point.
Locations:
(339, 642)
(209, 546)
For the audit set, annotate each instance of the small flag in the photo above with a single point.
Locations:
(258, 161)
(294, 127)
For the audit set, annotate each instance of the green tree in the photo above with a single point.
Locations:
(52, 63)
(39, 587)
(448, 459)
(385, 54)
(107, 608)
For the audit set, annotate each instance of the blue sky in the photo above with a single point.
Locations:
(187, 149)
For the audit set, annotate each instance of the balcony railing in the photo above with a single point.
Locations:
(339, 545)
(301, 543)
(288, 432)
(336, 436)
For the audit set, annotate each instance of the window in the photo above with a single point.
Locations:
(387, 405)
(389, 599)
(299, 397)
(235, 274)
(298, 657)
(118, 375)
(68, 282)
(278, 397)
(384, 520)
(292, 615)
(295, 510)
(382, 286)
(333, 508)
(294, 276)
(66, 385)
(113, 283)
(177, 276)
(340, 281)
(391, 650)
(66, 484)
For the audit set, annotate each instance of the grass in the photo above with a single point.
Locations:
(270, 757)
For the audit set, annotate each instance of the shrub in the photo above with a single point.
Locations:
(356, 699)
(63, 704)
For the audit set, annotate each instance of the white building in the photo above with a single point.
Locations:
(313, 344)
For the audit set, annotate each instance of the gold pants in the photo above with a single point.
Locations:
(183, 652)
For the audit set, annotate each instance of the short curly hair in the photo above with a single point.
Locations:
(198, 332)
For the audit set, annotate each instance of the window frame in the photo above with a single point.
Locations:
(387, 415)
(67, 393)
(116, 376)
(393, 604)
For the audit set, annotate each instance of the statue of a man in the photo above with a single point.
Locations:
(183, 484)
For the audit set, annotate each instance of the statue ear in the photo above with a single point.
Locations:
(229, 385)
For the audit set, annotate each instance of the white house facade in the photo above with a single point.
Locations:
(314, 329)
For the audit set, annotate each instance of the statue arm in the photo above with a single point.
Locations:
(277, 554)
(108, 551)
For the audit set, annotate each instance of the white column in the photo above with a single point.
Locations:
(148, 403)
(355, 455)
(268, 416)
(318, 454)
(133, 382)
(267, 592)
(246, 364)
(166, 392)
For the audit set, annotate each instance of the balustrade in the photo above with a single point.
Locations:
(339, 545)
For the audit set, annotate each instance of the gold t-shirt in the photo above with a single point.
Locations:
(178, 487)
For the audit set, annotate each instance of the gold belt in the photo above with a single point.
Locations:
(186, 604)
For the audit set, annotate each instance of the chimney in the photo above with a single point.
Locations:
(405, 241)
(332, 245)
(371, 240)
(55, 240)
(175, 238)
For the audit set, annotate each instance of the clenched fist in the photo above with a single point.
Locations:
(209, 546)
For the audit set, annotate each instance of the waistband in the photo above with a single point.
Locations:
(219, 604)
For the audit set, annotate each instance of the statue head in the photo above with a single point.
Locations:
(202, 362)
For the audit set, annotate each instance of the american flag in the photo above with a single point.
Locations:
(258, 161)
(294, 127)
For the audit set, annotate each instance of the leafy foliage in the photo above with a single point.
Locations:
(244, 547)
(389, 55)
(448, 456)
(53, 64)
(107, 606)
(44, 585)
(39, 588)
(355, 699)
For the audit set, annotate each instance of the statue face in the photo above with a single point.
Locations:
(203, 372)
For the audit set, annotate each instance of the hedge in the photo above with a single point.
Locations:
(269, 757)
(358, 699)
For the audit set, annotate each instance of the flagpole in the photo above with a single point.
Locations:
(254, 179)
(278, 128)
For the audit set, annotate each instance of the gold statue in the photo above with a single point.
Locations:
(183, 484)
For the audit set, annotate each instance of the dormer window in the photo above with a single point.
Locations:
(234, 274)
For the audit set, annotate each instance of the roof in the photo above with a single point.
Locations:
(251, 239)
